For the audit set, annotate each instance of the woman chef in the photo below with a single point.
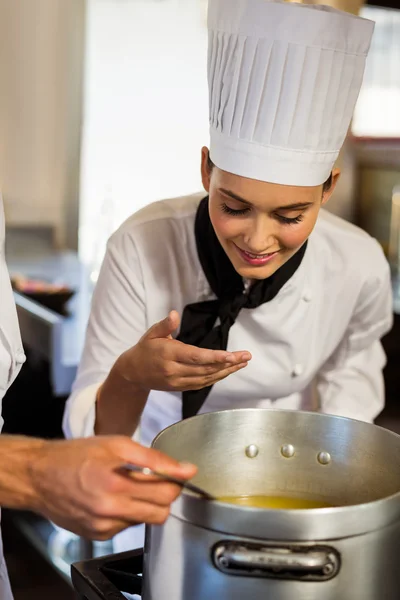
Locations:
(272, 294)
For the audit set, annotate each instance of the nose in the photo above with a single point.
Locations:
(259, 238)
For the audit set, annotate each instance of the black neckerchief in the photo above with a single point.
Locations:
(198, 319)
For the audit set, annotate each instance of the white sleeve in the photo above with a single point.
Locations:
(351, 384)
(117, 321)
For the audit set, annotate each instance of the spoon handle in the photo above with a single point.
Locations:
(184, 484)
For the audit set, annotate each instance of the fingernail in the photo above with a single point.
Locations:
(246, 356)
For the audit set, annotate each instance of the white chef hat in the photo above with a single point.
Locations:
(283, 82)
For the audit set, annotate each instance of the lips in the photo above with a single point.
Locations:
(258, 255)
(256, 259)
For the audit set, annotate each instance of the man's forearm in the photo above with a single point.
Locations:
(17, 456)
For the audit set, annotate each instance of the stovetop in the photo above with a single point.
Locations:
(107, 577)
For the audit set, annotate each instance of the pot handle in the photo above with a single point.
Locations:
(308, 563)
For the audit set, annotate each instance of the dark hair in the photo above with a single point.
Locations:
(325, 187)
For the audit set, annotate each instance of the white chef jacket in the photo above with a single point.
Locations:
(323, 329)
(11, 358)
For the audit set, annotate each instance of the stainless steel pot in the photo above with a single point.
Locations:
(210, 550)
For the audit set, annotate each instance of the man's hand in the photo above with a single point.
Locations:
(78, 486)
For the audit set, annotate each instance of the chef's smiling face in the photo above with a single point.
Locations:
(260, 225)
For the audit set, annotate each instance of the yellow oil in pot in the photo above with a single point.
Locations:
(274, 502)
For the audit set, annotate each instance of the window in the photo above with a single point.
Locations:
(145, 114)
(377, 113)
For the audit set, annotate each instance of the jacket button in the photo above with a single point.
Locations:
(307, 297)
(298, 370)
(20, 357)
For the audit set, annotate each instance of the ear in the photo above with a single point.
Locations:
(205, 171)
(328, 193)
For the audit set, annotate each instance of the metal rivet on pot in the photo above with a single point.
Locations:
(328, 569)
(287, 450)
(252, 451)
(324, 458)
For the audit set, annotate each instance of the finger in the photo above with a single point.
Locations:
(181, 370)
(186, 354)
(133, 513)
(145, 488)
(105, 530)
(154, 459)
(241, 356)
(164, 328)
(149, 488)
(129, 511)
(226, 372)
(145, 512)
(231, 358)
(197, 383)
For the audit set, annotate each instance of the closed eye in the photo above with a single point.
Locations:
(230, 211)
(242, 211)
(289, 221)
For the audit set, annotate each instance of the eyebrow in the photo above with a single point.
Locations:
(294, 206)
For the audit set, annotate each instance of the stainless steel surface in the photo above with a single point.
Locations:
(184, 484)
(364, 470)
(362, 481)
(178, 565)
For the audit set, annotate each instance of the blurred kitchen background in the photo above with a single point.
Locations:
(103, 109)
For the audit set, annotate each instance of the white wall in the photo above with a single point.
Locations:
(41, 49)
